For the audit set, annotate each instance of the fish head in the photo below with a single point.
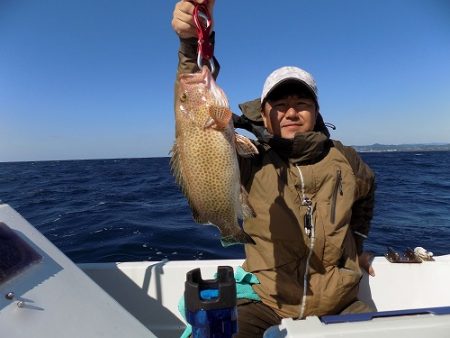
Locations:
(198, 92)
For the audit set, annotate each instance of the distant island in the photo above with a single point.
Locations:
(403, 147)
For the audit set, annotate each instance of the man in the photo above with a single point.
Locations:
(313, 199)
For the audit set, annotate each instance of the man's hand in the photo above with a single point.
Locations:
(183, 21)
(365, 262)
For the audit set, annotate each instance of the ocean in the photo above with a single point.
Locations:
(132, 210)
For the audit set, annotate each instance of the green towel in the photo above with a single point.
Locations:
(244, 282)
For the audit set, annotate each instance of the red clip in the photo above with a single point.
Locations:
(203, 23)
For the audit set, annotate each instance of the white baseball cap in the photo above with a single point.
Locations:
(284, 74)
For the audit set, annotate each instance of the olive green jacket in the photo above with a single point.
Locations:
(313, 205)
(307, 272)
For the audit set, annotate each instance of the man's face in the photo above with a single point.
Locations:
(289, 115)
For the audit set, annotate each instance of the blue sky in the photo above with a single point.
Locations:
(94, 78)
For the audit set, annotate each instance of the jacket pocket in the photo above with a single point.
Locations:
(336, 190)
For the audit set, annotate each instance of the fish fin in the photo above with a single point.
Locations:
(240, 237)
(210, 123)
(247, 209)
(244, 146)
(197, 217)
(177, 172)
(175, 166)
(219, 117)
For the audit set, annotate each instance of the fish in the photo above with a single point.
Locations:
(204, 158)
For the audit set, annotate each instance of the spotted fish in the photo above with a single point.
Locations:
(204, 156)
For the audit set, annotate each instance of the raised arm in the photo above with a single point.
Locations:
(183, 25)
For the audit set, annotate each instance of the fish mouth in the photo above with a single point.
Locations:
(202, 77)
(203, 81)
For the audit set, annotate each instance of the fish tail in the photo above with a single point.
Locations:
(239, 237)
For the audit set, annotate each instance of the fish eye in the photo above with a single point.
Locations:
(183, 97)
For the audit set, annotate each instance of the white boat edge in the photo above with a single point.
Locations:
(140, 298)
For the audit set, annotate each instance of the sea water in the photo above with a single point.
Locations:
(132, 210)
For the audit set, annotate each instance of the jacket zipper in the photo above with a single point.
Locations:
(310, 231)
(337, 189)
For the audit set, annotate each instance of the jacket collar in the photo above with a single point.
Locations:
(304, 148)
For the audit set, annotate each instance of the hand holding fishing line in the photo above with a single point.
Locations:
(183, 17)
(194, 19)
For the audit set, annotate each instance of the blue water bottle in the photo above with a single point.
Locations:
(211, 304)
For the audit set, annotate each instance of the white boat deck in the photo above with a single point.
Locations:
(53, 297)
(139, 299)
(395, 287)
